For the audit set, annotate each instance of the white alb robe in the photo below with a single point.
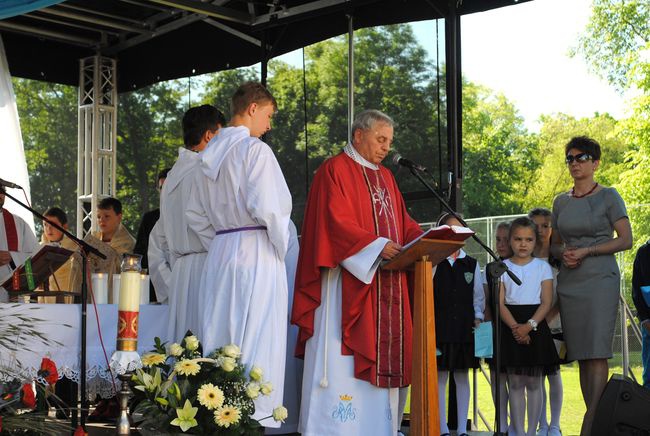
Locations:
(293, 368)
(27, 246)
(243, 294)
(176, 254)
(346, 405)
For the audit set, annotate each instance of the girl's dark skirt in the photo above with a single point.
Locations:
(537, 358)
(456, 356)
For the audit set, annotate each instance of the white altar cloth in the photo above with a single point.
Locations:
(62, 323)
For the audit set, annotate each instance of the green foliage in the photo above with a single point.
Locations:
(148, 136)
(616, 42)
(48, 121)
(499, 155)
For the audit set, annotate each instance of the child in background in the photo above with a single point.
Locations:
(542, 219)
(527, 347)
(504, 251)
(459, 304)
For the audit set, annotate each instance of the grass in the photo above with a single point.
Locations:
(573, 407)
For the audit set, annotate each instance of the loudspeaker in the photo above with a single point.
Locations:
(623, 409)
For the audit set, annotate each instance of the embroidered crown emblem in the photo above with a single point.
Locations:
(345, 397)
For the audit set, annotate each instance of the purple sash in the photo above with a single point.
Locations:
(239, 229)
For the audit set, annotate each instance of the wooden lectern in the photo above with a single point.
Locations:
(423, 255)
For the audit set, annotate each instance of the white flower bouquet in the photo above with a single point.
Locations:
(179, 391)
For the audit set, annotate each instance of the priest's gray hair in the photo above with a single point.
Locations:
(366, 120)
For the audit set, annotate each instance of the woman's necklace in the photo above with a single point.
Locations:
(574, 195)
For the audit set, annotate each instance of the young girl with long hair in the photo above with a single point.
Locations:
(527, 350)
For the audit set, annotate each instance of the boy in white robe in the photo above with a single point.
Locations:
(176, 255)
(241, 211)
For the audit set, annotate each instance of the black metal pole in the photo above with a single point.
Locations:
(495, 270)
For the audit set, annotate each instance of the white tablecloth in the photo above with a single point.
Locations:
(22, 350)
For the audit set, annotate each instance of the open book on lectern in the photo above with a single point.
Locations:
(443, 233)
(451, 238)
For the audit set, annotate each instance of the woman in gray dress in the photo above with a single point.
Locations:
(584, 220)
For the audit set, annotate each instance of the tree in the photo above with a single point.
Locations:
(48, 118)
(616, 40)
(148, 136)
(499, 155)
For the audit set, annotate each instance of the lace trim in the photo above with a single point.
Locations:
(350, 151)
(99, 381)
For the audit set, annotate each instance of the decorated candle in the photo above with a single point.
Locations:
(129, 303)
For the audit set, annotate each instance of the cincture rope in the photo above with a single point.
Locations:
(323, 382)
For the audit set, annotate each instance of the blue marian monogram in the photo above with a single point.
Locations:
(344, 411)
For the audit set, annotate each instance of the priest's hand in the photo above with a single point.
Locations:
(391, 249)
(5, 257)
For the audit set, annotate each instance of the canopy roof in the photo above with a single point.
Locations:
(167, 39)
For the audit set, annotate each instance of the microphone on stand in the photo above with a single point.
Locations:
(399, 160)
(9, 184)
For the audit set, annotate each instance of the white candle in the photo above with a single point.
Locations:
(144, 290)
(115, 292)
(130, 291)
(100, 287)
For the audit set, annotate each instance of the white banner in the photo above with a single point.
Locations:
(13, 166)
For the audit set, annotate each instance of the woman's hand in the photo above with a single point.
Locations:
(572, 257)
(524, 341)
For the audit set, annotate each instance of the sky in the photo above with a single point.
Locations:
(522, 51)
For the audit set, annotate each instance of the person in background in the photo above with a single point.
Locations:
(588, 284)
(149, 220)
(176, 254)
(504, 251)
(17, 243)
(68, 276)
(641, 296)
(115, 237)
(542, 219)
(459, 305)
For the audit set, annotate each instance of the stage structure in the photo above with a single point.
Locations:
(149, 41)
(97, 157)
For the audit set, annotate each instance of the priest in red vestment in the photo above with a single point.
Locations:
(354, 318)
(17, 243)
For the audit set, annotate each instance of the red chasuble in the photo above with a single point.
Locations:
(348, 207)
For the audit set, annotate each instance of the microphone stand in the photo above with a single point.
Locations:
(496, 270)
(84, 249)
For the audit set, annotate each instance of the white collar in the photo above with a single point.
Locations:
(355, 156)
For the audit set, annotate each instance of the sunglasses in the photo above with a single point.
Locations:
(580, 158)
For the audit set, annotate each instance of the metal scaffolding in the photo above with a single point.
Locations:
(96, 159)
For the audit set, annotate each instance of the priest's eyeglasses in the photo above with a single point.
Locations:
(580, 158)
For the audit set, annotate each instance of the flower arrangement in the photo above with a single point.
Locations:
(179, 391)
(24, 403)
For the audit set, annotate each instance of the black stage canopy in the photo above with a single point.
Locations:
(167, 39)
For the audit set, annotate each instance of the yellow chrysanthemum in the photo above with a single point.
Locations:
(210, 396)
(153, 359)
(187, 367)
(226, 416)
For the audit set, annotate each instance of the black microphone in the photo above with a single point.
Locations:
(9, 184)
(399, 160)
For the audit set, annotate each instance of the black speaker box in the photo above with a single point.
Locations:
(623, 409)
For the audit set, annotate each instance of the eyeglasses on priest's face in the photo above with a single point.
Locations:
(580, 158)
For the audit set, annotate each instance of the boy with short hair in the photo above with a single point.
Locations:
(240, 209)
